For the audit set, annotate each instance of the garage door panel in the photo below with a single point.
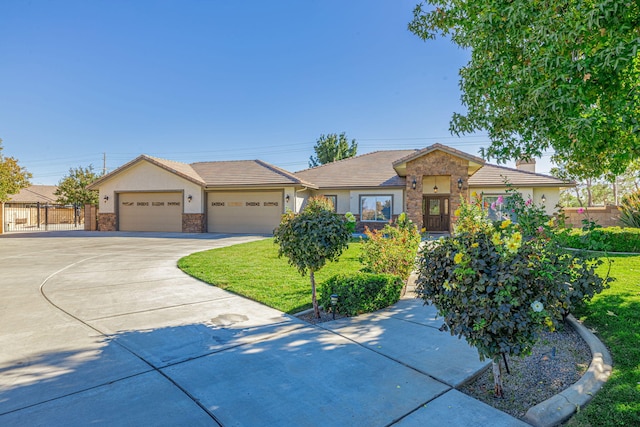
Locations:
(244, 212)
(150, 212)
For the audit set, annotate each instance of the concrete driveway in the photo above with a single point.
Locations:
(103, 328)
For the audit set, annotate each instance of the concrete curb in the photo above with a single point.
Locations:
(562, 406)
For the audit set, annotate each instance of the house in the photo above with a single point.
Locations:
(36, 208)
(152, 194)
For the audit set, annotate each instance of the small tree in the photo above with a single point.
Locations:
(72, 189)
(311, 238)
(13, 177)
(332, 147)
(499, 284)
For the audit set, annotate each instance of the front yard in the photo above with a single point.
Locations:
(614, 315)
(254, 270)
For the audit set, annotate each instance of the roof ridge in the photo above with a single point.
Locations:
(279, 170)
(353, 157)
(524, 172)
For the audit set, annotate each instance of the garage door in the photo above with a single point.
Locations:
(244, 212)
(150, 212)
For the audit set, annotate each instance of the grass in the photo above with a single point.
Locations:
(254, 270)
(615, 316)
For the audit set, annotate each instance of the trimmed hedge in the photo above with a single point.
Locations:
(361, 292)
(614, 239)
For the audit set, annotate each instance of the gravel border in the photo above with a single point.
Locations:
(562, 406)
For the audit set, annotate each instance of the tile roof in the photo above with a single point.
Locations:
(367, 170)
(241, 173)
(494, 176)
(35, 193)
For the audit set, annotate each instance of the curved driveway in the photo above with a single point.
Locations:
(103, 328)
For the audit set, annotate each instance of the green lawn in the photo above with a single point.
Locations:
(255, 271)
(615, 316)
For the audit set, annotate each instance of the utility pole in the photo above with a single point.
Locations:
(104, 163)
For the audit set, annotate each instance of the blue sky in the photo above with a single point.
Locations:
(199, 80)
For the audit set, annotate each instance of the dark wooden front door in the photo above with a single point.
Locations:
(435, 211)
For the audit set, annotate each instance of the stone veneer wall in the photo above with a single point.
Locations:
(106, 222)
(193, 223)
(436, 163)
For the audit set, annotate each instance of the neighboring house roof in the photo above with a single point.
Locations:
(494, 176)
(367, 170)
(35, 194)
(245, 173)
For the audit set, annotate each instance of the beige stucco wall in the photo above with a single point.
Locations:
(145, 176)
(552, 195)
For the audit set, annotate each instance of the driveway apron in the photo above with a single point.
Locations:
(103, 328)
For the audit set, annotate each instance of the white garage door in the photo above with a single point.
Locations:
(150, 212)
(244, 212)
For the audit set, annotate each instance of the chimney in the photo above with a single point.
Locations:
(526, 165)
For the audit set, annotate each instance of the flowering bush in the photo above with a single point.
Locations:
(498, 284)
(393, 249)
(350, 222)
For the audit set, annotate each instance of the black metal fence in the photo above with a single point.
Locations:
(42, 217)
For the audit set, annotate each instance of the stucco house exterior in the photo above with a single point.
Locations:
(152, 194)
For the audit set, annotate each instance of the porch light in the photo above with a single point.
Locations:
(413, 184)
(459, 183)
(334, 302)
(105, 198)
(435, 188)
(287, 198)
(544, 199)
(189, 198)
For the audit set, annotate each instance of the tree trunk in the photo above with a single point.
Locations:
(314, 300)
(497, 378)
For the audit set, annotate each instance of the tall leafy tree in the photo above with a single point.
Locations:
(312, 238)
(332, 147)
(546, 74)
(13, 177)
(72, 189)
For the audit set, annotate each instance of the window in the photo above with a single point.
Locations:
(376, 208)
(333, 199)
(495, 209)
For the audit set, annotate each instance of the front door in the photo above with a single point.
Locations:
(435, 211)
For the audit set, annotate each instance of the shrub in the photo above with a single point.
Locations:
(615, 239)
(393, 249)
(630, 207)
(361, 293)
(499, 285)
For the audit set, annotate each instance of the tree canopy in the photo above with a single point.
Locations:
(72, 189)
(546, 74)
(13, 177)
(332, 147)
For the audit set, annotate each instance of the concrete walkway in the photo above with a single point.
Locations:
(102, 328)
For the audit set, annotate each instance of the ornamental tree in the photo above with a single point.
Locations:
(499, 284)
(561, 75)
(312, 238)
(13, 177)
(72, 189)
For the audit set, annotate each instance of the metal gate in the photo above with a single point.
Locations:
(42, 217)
